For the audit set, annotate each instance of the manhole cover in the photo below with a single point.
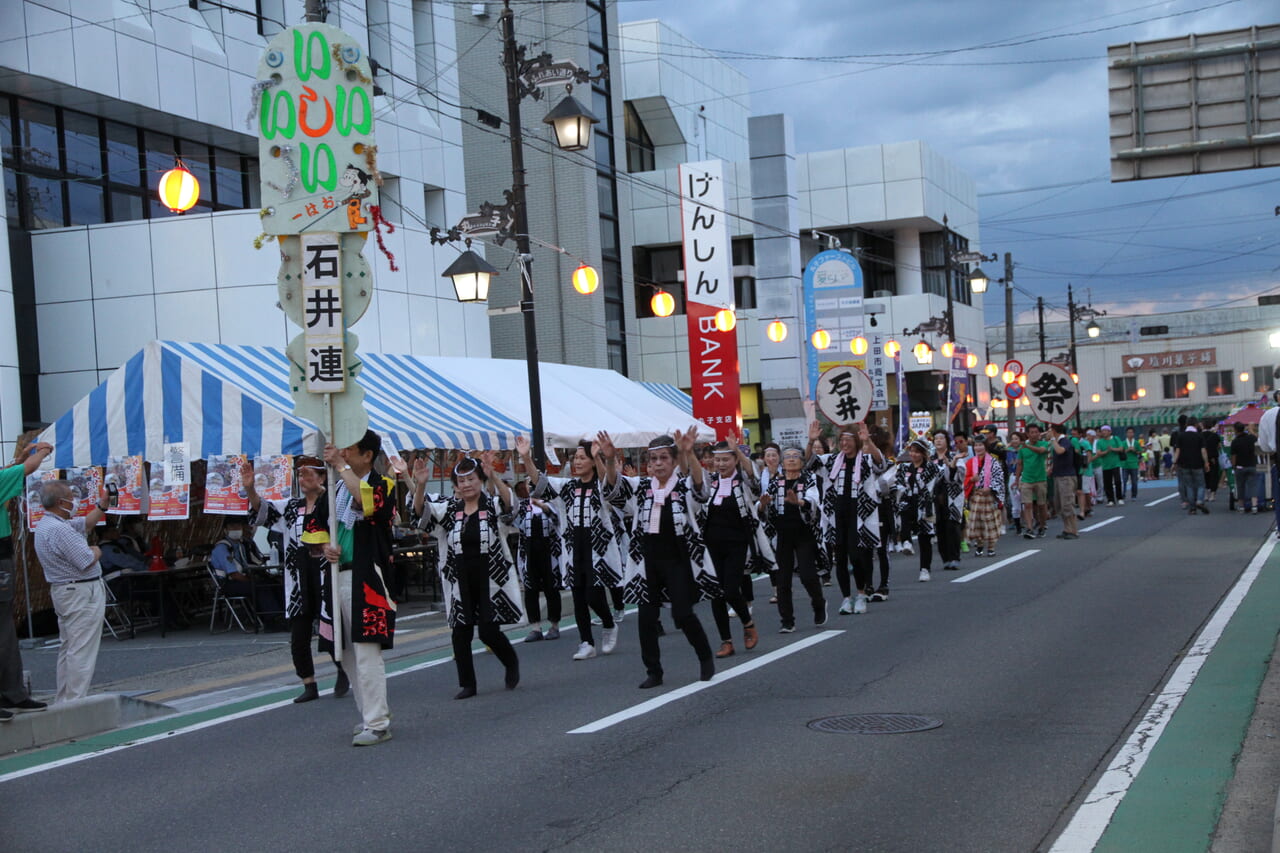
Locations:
(874, 724)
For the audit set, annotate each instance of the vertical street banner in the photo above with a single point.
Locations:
(876, 363)
(320, 179)
(833, 302)
(957, 384)
(708, 285)
(904, 408)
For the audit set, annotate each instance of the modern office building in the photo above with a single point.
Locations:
(97, 99)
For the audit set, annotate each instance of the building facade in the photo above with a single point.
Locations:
(97, 99)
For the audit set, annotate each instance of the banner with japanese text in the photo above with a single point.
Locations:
(224, 492)
(833, 304)
(708, 284)
(957, 384)
(127, 475)
(170, 493)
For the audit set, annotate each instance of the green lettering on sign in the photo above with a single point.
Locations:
(304, 57)
(269, 116)
(344, 116)
(309, 167)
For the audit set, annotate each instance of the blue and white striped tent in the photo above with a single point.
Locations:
(225, 399)
(671, 394)
(235, 399)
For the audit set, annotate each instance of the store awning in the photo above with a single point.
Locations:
(224, 399)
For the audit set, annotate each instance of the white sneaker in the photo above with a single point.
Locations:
(860, 604)
(733, 614)
(585, 651)
(609, 640)
(596, 620)
(1121, 502)
(906, 547)
(846, 607)
(618, 614)
(924, 575)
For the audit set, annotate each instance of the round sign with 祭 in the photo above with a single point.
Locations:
(1052, 393)
(844, 394)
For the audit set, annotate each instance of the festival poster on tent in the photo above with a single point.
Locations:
(127, 475)
(170, 493)
(273, 477)
(224, 493)
(35, 510)
(86, 487)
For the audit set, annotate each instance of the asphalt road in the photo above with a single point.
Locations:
(1037, 671)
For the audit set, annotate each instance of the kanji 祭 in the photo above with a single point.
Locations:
(1051, 392)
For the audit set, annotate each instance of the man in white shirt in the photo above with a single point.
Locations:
(1267, 445)
(75, 585)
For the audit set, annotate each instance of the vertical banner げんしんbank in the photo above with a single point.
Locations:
(708, 286)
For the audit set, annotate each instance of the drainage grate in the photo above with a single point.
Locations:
(874, 724)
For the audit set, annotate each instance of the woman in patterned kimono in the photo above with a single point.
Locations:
(851, 509)
(667, 559)
(592, 561)
(304, 573)
(949, 500)
(791, 509)
(916, 481)
(736, 544)
(538, 553)
(984, 486)
(481, 586)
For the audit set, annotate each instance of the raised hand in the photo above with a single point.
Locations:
(487, 458)
(604, 445)
(523, 446)
(420, 469)
(333, 456)
(246, 476)
(685, 440)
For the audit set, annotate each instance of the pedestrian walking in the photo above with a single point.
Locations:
(1244, 459)
(75, 585)
(1212, 443)
(1130, 464)
(1267, 445)
(1064, 481)
(14, 696)
(850, 509)
(1192, 463)
(1109, 451)
(736, 545)
(481, 585)
(539, 555)
(948, 496)
(305, 569)
(915, 483)
(984, 490)
(591, 532)
(1033, 480)
(364, 506)
(1084, 472)
(790, 508)
(667, 558)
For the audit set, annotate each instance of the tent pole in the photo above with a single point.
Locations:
(336, 607)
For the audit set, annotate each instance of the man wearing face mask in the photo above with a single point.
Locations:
(75, 585)
(233, 557)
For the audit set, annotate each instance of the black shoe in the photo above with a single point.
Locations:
(465, 693)
(513, 675)
(708, 669)
(5, 716)
(651, 682)
(819, 613)
(662, 632)
(342, 686)
(1203, 508)
(881, 594)
(1027, 534)
(309, 693)
(26, 706)
(1068, 536)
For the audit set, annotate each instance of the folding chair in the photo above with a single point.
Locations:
(221, 600)
(116, 620)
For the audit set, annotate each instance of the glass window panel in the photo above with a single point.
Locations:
(229, 179)
(604, 189)
(123, 163)
(595, 58)
(43, 197)
(37, 135)
(6, 127)
(600, 108)
(125, 207)
(86, 203)
(80, 141)
(603, 144)
(613, 319)
(611, 272)
(159, 157)
(1260, 376)
(608, 238)
(595, 28)
(11, 196)
(196, 158)
(253, 180)
(617, 359)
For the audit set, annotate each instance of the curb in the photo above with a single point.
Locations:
(77, 718)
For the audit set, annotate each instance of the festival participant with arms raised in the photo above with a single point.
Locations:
(791, 509)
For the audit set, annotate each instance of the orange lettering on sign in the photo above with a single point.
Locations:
(302, 113)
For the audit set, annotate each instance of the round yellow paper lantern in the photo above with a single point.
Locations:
(179, 189)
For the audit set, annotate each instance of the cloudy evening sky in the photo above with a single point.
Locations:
(1028, 121)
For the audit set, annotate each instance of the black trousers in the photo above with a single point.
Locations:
(540, 580)
(887, 532)
(926, 548)
(730, 559)
(1111, 484)
(850, 553)
(948, 533)
(302, 626)
(588, 596)
(797, 553)
(673, 574)
(478, 613)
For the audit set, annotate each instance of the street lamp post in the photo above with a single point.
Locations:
(1076, 313)
(978, 281)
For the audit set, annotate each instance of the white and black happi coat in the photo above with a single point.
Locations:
(443, 519)
(914, 488)
(580, 504)
(290, 519)
(634, 497)
(866, 496)
(523, 521)
(950, 489)
(810, 511)
(760, 557)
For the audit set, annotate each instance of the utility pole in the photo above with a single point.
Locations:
(1071, 324)
(1040, 310)
(947, 248)
(315, 11)
(1008, 327)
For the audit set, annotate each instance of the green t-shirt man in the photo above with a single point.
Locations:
(11, 483)
(1033, 468)
(1086, 452)
(1107, 452)
(1132, 452)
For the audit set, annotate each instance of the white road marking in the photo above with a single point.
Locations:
(698, 686)
(1167, 497)
(1000, 565)
(1091, 819)
(1101, 524)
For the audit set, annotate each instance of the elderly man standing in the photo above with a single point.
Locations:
(75, 584)
(13, 693)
